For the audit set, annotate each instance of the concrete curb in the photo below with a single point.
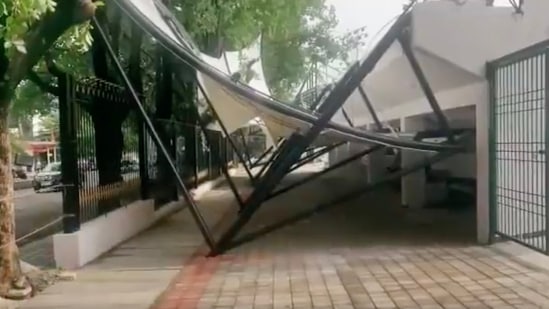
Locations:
(21, 185)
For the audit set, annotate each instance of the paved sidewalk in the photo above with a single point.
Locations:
(135, 274)
(368, 254)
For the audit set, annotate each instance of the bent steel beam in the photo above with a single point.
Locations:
(425, 87)
(297, 142)
(197, 216)
(344, 198)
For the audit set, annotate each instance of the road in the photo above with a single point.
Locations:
(34, 210)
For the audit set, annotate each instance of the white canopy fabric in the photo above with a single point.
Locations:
(237, 104)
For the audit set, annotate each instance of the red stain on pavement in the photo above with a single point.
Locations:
(189, 285)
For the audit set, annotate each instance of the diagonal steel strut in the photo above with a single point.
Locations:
(197, 216)
(425, 86)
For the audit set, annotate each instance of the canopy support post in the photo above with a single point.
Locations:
(370, 107)
(197, 216)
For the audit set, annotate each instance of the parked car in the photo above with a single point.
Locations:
(48, 178)
(19, 172)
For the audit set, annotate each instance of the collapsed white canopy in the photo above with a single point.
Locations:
(236, 104)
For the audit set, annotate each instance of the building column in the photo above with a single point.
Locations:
(414, 184)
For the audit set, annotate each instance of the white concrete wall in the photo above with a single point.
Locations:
(472, 34)
(98, 236)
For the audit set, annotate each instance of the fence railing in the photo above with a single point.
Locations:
(109, 161)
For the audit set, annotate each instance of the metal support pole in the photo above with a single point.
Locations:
(346, 116)
(297, 143)
(271, 160)
(262, 156)
(329, 169)
(424, 84)
(370, 107)
(339, 200)
(315, 155)
(197, 216)
(222, 164)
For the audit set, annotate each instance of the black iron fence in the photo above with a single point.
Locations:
(109, 160)
(518, 147)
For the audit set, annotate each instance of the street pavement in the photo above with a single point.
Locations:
(34, 210)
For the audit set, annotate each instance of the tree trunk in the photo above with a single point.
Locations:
(10, 269)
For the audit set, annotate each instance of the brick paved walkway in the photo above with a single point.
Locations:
(368, 254)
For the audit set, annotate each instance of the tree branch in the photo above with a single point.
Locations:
(45, 32)
(45, 86)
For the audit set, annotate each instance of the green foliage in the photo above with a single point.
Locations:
(19, 15)
(30, 101)
(289, 56)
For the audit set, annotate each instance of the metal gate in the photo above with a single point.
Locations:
(518, 147)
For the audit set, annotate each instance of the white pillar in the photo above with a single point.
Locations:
(413, 185)
(483, 171)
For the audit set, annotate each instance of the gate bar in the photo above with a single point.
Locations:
(295, 145)
(197, 215)
(424, 84)
(344, 198)
(370, 107)
(329, 169)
